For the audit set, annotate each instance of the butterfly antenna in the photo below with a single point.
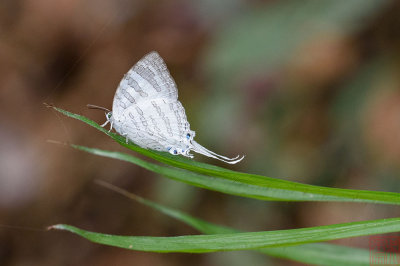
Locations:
(200, 149)
(91, 106)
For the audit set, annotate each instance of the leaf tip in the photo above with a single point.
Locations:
(49, 105)
(57, 142)
(56, 227)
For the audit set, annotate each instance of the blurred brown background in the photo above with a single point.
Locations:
(308, 90)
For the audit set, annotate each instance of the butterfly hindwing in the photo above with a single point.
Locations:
(157, 120)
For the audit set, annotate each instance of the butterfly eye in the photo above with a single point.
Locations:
(175, 152)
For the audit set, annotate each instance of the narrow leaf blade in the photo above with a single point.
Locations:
(239, 241)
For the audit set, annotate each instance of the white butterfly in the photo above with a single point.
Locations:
(146, 110)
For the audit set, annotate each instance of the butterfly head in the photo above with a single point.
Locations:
(109, 116)
(110, 119)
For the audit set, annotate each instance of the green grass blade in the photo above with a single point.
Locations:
(232, 182)
(239, 241)
(209, 182)
(323, 254)
(320, 254)
(238, 188)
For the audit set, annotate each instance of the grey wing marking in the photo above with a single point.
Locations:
(170, 117)
(181, 123)
(153, 69)
(143, 129)
(161, 123)
(148, 79)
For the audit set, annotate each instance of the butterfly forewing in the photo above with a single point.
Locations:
(153, 69)
(148, 79)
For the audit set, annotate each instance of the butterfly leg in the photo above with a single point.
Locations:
(111, 124)
(109, 120)
(105, 123)
(126, 137)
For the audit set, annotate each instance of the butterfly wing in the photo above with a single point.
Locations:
(147, 111)
(157, 124)
(148, 79)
